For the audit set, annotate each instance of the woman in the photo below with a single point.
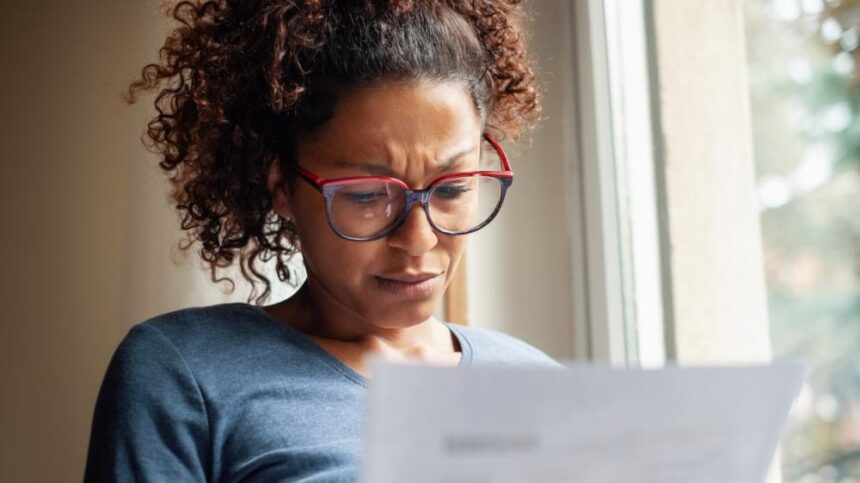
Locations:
(358, 133)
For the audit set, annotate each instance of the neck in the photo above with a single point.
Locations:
(314, 311)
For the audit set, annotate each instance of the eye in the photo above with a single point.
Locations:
(452, 191)
(365, 197)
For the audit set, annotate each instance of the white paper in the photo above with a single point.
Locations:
(428, 424)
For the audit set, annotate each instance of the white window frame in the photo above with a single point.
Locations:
(619, 277)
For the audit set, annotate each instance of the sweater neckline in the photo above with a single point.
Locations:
(466, 350)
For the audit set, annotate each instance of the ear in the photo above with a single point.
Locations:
(278, 190)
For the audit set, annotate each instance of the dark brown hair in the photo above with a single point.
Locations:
(238, 80)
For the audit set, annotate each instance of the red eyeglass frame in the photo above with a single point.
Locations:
(328, 187)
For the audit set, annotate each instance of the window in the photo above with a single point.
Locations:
(719, 154)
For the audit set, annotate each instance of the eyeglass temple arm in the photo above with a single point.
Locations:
(506, 166)
(310, 177)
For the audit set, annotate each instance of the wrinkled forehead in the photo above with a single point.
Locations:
(401, 128)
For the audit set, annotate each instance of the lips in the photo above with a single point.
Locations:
(410, 277)
(418, 285)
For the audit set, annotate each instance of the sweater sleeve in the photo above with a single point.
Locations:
(150, 421)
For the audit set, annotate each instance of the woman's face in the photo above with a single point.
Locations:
(416, 132)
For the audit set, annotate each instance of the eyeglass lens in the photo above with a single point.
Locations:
(456, 205)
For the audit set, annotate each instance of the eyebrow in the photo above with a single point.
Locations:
(382, 170)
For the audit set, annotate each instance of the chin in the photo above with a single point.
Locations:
(405, 315)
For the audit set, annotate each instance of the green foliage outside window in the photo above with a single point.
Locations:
(804, 71)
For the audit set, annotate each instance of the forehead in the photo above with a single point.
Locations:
(394, 120)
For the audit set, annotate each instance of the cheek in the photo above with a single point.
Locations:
(341, 262)
(454, 246)
(333, 260)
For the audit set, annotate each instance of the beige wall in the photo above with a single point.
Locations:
(86, 245)
(718, 289)
(65, 142)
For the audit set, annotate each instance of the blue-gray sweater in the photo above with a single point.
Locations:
(228, 393)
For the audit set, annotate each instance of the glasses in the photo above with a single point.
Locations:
(365, 208)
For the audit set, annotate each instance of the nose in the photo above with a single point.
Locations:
(415, 236)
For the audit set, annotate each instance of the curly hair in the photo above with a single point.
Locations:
(238, 80)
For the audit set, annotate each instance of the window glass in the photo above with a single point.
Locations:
(805, 99)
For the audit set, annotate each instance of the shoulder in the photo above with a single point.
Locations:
(213, 343)
(212, 329)
(150, 408)
(175, 338)
(491, 346)
(212, 322)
